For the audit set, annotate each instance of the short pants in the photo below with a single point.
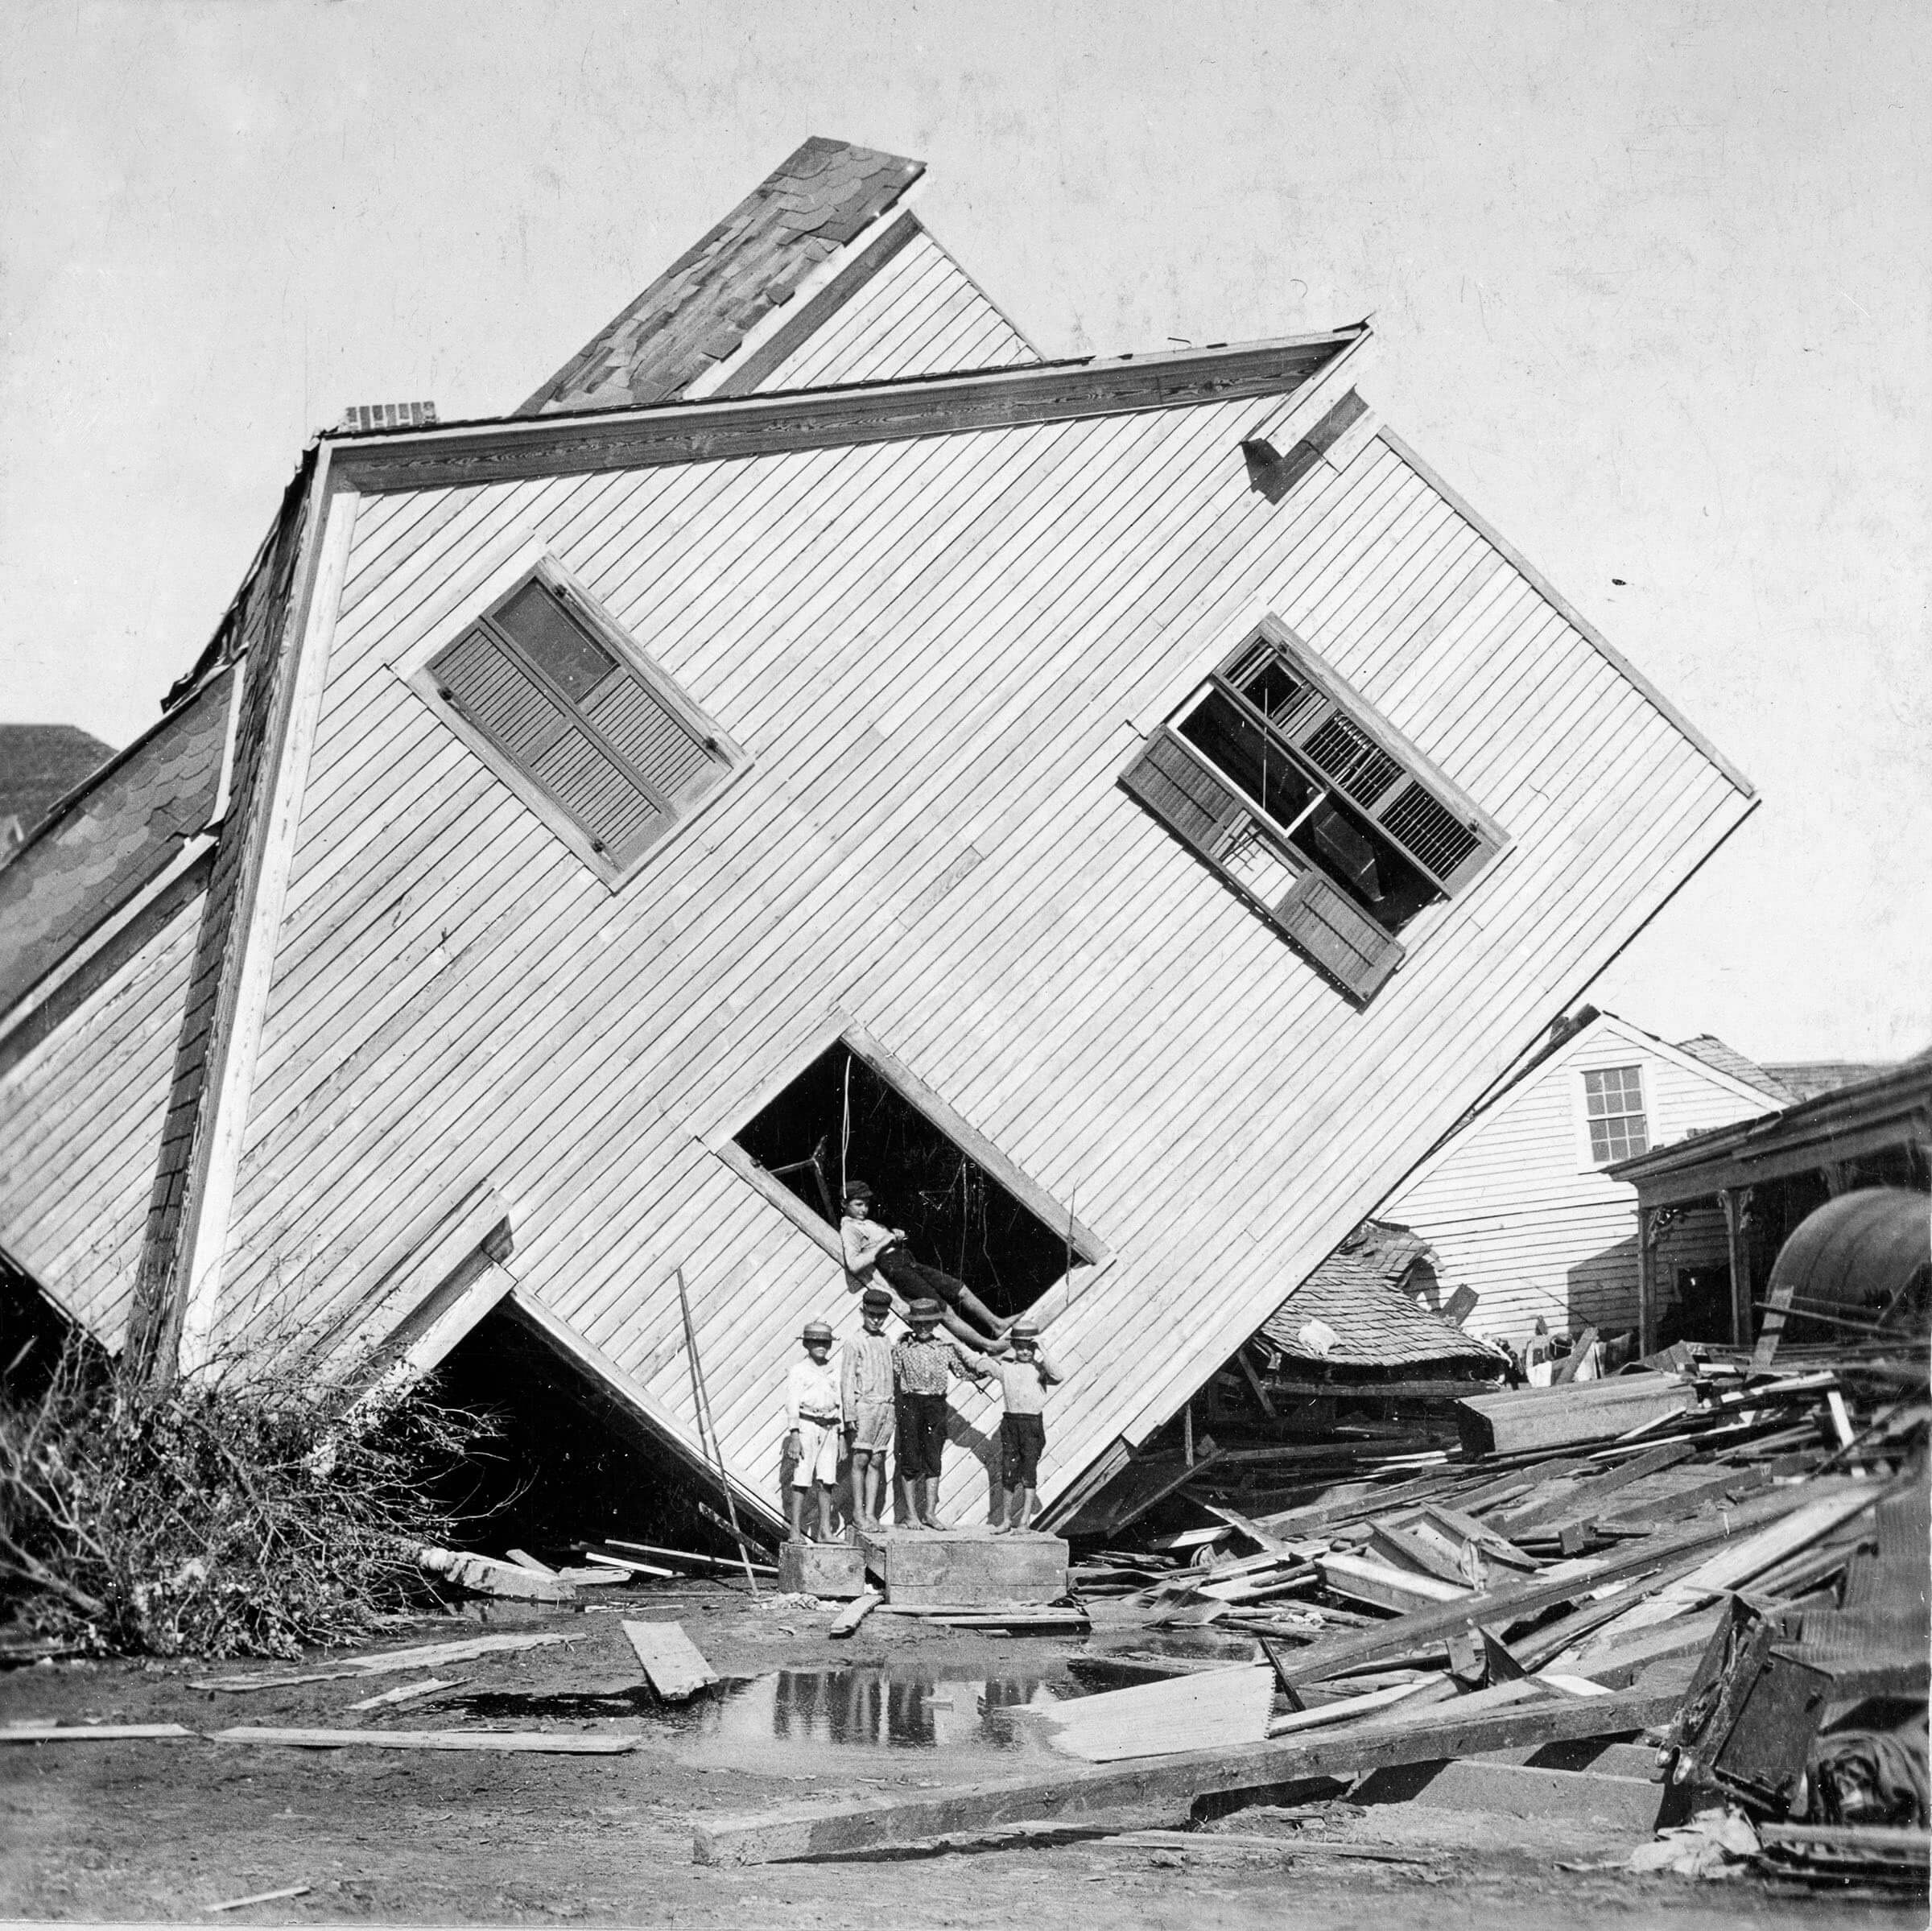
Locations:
(922, 1423)
(818, 1453)
(875, 1426)
(1022, 1438)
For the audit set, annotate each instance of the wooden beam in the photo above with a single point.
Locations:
(715, 431)
(1169, 1786)
(1737, 1203)
(674, 1663)
(575, 1743)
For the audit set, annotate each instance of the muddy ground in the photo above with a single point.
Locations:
(163, 1831)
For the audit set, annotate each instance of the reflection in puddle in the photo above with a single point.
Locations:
(868, 1706)
(869, 1709)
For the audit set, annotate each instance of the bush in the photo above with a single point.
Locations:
(229, 1517)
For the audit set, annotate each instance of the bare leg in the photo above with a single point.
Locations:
(915, 1496)
(875, 1516)
(861, 1463)
(992, 1342)
(825, 1494)
(1020, 1504)
(797, 1513)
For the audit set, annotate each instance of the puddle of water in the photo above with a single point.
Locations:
(860, 1706)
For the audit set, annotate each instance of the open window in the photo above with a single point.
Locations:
(573, 716)
(853, 1112)
(1313, 806)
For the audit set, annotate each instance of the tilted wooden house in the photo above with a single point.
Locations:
(817, 733)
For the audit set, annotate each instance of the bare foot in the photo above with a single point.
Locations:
(1002, 1528)
(933, 1522)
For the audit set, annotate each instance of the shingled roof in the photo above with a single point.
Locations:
(1359, 1293)
(110, 839)
(698, 313)
(1714, 1052)
(39, 764)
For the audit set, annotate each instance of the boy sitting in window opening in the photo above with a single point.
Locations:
(872, 1248)
(865, 1398)
(811, 1424)
(921, 1365)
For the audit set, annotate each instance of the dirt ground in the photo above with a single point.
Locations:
(164, 1829)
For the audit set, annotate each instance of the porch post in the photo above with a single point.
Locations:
(1737, 1203)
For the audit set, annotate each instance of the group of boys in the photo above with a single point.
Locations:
(886, 1393)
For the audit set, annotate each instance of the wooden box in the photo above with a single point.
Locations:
(966, 1565)
(822, 1569)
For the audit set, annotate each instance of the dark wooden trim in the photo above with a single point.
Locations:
(819, 309)
(717, 430)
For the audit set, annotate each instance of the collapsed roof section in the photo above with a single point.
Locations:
(1358, 1309)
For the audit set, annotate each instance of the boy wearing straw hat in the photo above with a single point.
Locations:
(811, 1425)
(1024, 1379)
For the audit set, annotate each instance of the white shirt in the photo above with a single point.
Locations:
(811, 1392)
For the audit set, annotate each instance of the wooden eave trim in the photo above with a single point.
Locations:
(1570, 615)
(979, 288)
(850, 416)
(1743, 1167)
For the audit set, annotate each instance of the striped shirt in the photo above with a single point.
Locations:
(921, 1368)
(867, 1373)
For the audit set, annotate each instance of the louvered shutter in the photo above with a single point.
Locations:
(1179, 790)
(1349, 751)
(541, 734)
(1325, 924)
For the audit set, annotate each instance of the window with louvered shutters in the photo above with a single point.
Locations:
(620, 753)
(1307, 801)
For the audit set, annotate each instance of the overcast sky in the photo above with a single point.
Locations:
(1653, 284)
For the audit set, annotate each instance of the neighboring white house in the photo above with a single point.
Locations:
(1516, 1203)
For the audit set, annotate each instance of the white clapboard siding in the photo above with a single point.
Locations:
(80, 1129)
(926, 647)
(1516, 1210)
(921, 314)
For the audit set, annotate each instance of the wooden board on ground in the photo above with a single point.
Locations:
(837, 1569)
(88, 1733)
(849, 1618)
(557, 1742)
(407, 1693)
(1201, 1711)
(960, 1566)
(671, 1660)
(1168, 1786)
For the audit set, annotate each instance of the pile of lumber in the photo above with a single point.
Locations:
(1610, 1561)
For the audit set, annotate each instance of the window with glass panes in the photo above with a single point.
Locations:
(1613, 1104)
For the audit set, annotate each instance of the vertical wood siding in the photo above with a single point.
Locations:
(922, 314)
(928, 648)
(80, 1128)
(1514, 1211)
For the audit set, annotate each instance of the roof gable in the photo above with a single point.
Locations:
(699, 311)
(1555, 1062)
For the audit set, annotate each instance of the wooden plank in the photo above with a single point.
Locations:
(672, 1662)
(1362, 1580)
(31, 1732)
(484, 1575)
(1207, 1710)
(1170, 1786)
(407, 1693)
(847, 1621)
(421, 1656)
(1590, 1411)
(555, 1743)
(1585, 1496)
(524, 1559)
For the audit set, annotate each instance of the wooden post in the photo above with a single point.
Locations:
(1187, 1435)
(1737, 1203)
(1646, 1279)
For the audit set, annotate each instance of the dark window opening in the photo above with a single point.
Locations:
(1320, 824)
(843, 1119)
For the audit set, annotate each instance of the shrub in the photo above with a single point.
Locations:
(232, 1516)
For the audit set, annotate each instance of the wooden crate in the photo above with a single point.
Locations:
(822, 1569)
(966, 1565)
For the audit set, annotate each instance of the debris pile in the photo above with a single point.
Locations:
(1658, 1556)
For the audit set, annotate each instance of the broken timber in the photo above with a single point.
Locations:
(484, 1575)
(1168, 1786)
(1206, 1709)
